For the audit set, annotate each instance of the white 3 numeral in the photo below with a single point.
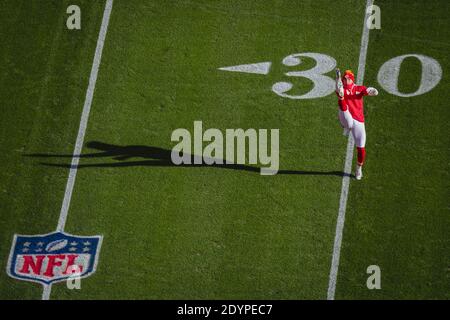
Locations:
(323, 85)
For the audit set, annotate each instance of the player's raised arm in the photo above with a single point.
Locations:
(339, 84)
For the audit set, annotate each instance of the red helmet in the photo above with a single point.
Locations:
(349, 74)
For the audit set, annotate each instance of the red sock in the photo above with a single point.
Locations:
(342, 105)
(361, 155)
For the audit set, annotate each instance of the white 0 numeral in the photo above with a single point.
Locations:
(323, 85)
(390, 70)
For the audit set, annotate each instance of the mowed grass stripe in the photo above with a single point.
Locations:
(82, 128)
(399, 213)
(348, 163)
(45, 70)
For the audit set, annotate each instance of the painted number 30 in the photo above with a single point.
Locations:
(387, 75)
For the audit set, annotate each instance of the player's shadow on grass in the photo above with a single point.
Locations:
(157, 157)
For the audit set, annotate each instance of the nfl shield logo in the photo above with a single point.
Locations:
(53, 257)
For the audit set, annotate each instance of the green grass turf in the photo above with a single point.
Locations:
(206, 232)
(398, 217)
(175, 232)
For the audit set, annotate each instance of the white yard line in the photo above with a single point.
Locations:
(82, 129)
(347, 168)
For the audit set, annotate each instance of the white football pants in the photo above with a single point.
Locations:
(357, 128)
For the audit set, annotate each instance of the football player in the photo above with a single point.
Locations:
(351, 113)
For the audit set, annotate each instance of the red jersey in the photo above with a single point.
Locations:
(353, 96)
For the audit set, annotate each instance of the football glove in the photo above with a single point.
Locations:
(371, 91)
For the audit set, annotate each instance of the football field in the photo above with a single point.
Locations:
(138, 70)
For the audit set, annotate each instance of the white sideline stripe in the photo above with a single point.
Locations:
(82, 129)
(348, 167)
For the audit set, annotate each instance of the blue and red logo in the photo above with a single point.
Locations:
(53, 257)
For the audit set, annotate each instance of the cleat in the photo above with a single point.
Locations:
(358, 172)
(346, 132)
